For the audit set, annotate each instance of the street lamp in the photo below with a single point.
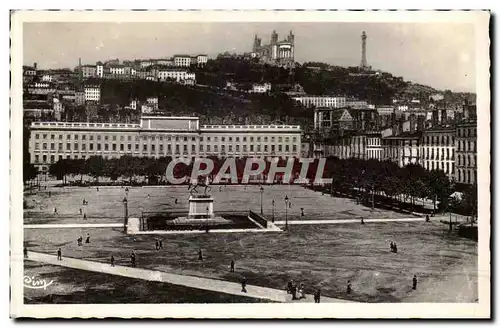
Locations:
(273, 211)
(125, 205)
(261, 193)
(286, 212)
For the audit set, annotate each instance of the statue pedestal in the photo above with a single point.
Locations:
(201, 207)
(133, 226)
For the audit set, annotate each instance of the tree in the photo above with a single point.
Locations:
(29, 171)
(94, 166)
(439, 188)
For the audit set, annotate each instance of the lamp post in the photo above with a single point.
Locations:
(286, 212)
(273, 211)
(125, 205)
(261, 193)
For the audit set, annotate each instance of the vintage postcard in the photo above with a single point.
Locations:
(250, 164)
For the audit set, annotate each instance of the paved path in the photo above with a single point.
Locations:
(180, 232)
(272, 228)
(350, 221)
(73, 225)
(215, 285)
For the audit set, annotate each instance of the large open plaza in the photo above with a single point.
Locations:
(318, 255)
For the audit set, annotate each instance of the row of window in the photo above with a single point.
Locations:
(465, 160)
(153, 148)
(177, 152)
(467, 132)
(466, 176)
(446, 167)
(466, 145)
(373, 141)
(429, 153)
(439, 140)
(167, 138)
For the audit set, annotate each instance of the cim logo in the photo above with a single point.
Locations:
(36, 283)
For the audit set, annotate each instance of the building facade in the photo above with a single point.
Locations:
(321, 101)
(89, 71)
(177, 75)
(330, 119)
(261, 87)
(279, 53)
(92, 93)
(373, 145)
(438, 149)
(159, 136)
(201, 60)
(402, 149)
(466, 152)
(182, 60)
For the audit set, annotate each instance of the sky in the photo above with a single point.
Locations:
(441, 55)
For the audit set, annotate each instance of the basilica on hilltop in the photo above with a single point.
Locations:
(279, 53)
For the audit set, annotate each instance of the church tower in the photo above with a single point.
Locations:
(274, 37)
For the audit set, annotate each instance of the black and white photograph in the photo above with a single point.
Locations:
(252, 161)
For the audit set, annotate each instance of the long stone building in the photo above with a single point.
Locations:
(157, 136)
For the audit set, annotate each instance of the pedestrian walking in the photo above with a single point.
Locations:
(317, 296)
(50, 194)
(414, 282)
(132, 259)
(157, 245)
(79, 241)
(160, 244)
(149, 196)
(232, 266)
(427, 218)
(362, 221)
(244, 285)
(84, 202)
(349, 287)
(59, 254)
(301, 211)
(392, 246)
(85, 216)
(176, 201)
(200, 255)
(289, 287)
(294, 291)
(55, 210)
(80, 211)
(25, 252)
(301, 292)
(97, 188)
(87, 240)
(395, 248)
(112, 261)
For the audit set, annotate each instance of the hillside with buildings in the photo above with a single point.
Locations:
(345, 112)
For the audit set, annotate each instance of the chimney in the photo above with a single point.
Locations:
(413, 123)
(466, 112)
(35, 65)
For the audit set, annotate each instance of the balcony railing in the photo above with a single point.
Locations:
(85, 125)
(250, 127)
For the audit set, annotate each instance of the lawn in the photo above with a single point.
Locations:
(71, 286)
(325, 256)
(106, 204)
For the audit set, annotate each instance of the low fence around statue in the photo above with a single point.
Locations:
(258, 218)
(151, 221)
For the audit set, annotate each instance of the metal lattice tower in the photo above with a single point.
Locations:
(363, 50)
